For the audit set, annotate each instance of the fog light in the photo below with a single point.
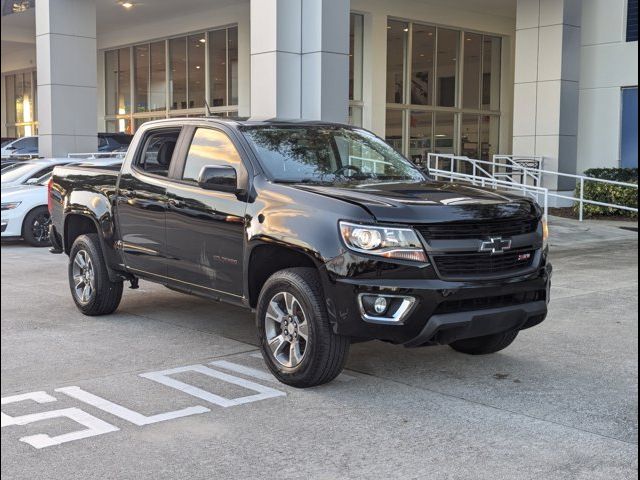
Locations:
(380, 305)
(386, 309)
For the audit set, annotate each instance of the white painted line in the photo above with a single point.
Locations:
(252, 372)
(94, 425)
(38, 397)
(125, 413)
(164, 378)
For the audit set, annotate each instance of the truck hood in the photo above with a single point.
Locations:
(428, 202)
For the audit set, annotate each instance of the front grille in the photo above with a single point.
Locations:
(479, 229)
(478, 265)
(484, 303)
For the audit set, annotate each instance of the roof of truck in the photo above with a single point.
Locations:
(246, 121)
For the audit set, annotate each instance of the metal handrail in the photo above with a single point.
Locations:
(95, 155)
(524, 187)
(484, 182)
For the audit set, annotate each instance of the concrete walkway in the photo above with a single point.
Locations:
(567, 233)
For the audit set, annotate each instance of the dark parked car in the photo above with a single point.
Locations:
(324, 229)
(113, 142)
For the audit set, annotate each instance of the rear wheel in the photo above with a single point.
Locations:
(296, 338)
(487, 344)
(35, 229)
(92, 290)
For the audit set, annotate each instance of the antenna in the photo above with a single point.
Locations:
(206, 104)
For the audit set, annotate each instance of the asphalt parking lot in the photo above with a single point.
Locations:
(170, 387)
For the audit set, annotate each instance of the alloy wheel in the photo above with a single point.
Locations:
(40, 227)
(287, 330)
(83, 276)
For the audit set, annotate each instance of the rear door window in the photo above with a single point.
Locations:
(157, 152)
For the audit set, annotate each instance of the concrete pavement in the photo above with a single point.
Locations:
(561, 402)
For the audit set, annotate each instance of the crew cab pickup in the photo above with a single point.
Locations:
(324, 230)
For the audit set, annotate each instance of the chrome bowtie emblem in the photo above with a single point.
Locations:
(495, 245)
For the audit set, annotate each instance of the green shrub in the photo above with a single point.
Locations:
(606, 193)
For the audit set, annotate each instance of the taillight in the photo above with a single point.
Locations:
(49, 198)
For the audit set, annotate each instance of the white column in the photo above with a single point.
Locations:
(67, 76)
(374, 88)
(300, 59)
(547, 72)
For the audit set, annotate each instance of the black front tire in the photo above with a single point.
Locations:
(485, 345)
(325, 352)
(35, 228)
(98, 295)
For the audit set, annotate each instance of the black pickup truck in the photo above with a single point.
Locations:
(324, 229)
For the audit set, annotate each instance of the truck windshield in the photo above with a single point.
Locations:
(328, 155)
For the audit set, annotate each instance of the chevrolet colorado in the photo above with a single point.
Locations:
(328, 233)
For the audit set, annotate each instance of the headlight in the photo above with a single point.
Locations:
(399, 243)
(545, 232)
(10, 205)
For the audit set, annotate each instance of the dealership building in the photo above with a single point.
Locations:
(550, 78)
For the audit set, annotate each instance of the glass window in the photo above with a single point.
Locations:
(119, 125)
(424, 42)
(397, 36)
(209, 147)
(394, 130)
(444, 132)
(18, 98)
(218, 67)
(632, 21)
(111, 82)
(195, 62)
(469, 136)
(447, 69)
(157, 152)
(20, 104)
(355, 116)
(196, 75)
(472, 65)
(141, 77)
(178, 73)
(328, 155)
(10, 86)
(158, 80)
(420, 136)
(489, 136)
(124, 81)
(491, 68)
(629, 130)
(355, 56)
(233, 66)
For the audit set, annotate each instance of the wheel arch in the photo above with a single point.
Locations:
(26, 215)
(266, 259)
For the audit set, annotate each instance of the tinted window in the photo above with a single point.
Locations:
(27, 142)
(158, 151)
(632, 21)
(209, 147)
(330, 155)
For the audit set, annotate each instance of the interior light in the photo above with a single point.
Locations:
(127, 5)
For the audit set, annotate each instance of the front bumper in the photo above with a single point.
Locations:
(445, 311)
(12, 222)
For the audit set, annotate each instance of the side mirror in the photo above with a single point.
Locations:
(219, 178)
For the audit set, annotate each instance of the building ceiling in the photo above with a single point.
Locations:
(110, 16)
